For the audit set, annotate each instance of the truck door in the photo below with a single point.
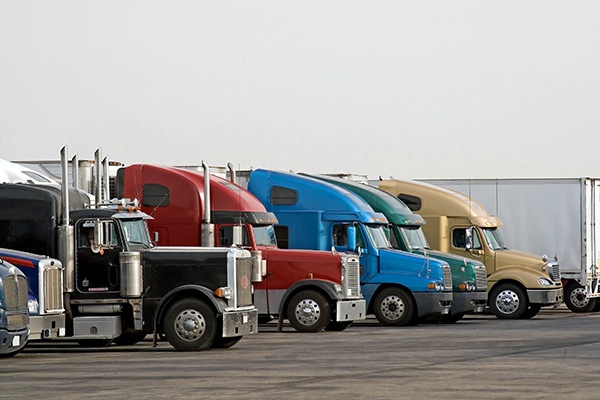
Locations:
(349, 238)
(459, 240)
(96, 271)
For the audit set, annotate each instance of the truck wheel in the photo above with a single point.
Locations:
(225, 342)
(130, 338)
(393, 306)
(337, 326)
(531, 311)
(576, 300)
(508, 301)
(308, 311)
(190, 325)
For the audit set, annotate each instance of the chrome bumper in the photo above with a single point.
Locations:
(239, 323)
(545, 297)
(350, 310)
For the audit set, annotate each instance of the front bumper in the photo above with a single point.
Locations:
(47, 326)
(350, 310)
(239, 323)
(468, 302)
(13, 341)
(545, 297)
(433, 303)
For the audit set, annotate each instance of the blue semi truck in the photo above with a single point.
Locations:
(400, 288)
(14, 318)
(469, 277)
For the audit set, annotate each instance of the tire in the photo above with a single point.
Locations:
(531, 311)
(337, 326)
(130, 338)
(225, 342)
(451, 318)
(508, 301)
(576, 300)
(190, 325)
(308, 311)
(395, 307)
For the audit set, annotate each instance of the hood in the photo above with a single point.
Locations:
(392, 261)
(515, 257)
(453, 258)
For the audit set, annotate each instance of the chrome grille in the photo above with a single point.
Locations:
(15, 292)
(243, 270)
(480, 277)
(351, 277)
(554, 271)
(53, 299)
(447, 276)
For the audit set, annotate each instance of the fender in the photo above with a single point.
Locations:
(203, 292)
(525, 276)
(327, 286)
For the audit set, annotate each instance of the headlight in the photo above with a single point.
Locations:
(438, 286)
(544, 282)
(225, 292)
(33, 307)
(466, 286)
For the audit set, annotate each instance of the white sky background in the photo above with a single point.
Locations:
(409, 89)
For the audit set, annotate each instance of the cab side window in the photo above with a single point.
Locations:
(459, 238)
(226, 236)
(340, 235)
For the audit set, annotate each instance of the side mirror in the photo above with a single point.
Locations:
(469, 239)
(352, 238)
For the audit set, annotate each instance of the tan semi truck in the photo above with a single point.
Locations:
(519, 283)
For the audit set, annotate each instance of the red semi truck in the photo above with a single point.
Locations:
(314, 290)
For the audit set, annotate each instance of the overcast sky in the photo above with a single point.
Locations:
(409, 89)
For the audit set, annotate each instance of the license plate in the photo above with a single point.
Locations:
(16, 341)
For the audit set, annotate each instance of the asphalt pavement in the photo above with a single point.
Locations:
(555, 355)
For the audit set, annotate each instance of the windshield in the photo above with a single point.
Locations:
(494, 238)
(414, 237)
(136, 232)
(378, 236)
(264, 235)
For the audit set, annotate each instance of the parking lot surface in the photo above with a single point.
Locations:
(555, 355)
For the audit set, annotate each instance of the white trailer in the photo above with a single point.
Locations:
(547, 216)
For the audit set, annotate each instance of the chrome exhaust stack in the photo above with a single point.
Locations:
(208, 229)
(66, 251)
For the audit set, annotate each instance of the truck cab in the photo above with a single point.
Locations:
(469, 279)
(14, 318)
(399, 287)
(314, 290)
(519, 283)
(118, 287)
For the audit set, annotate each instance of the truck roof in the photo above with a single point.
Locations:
(11, 172)
(392, 207)
(295, 191)
(431, 200)
(228, 200)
